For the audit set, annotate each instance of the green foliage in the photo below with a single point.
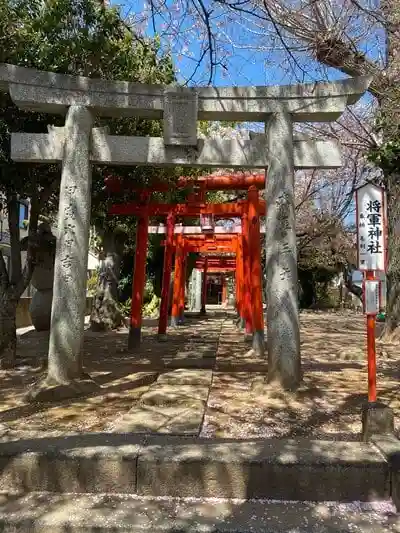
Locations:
(125, 307)
(150, 309)
(387, 156)
(92, 283)
(80, 37)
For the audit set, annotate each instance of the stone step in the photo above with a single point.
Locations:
(192, 467)
(88, 513)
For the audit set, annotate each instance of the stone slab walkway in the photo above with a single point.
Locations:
(174, 404)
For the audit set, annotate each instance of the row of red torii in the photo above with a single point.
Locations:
(245, 245)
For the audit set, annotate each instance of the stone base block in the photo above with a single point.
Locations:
(40, 309)
(43, 391)
(175, 321)
(258, 342)
(134, 338)
(377, 419)
(248, 337)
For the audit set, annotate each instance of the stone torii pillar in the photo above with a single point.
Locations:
(70, 269)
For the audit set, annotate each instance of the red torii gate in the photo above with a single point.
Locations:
(248, 253)
(216, 265)
(205, 183)
(184, 244)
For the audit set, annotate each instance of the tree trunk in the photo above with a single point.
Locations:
(8, 330)
(390, 115)
(308, 290)
(105, 311)
(391, 330)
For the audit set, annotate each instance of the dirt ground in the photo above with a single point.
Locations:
(240, 404)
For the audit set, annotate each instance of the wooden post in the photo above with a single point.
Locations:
(166, 279)
(182, 291)
(139, 279)
(204, 287)
(255, 261)
(179, 258)
(247, 312)
(239, 281)
(371, 350)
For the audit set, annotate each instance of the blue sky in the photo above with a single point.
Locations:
(244, 66)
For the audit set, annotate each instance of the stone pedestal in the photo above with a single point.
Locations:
(43, 278)
(40, 309)
(377, 419)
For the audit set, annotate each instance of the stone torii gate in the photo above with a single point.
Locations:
(79, 144)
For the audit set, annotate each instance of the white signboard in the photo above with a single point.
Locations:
(371, 297)
(371, 227)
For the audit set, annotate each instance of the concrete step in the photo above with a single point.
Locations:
(193, 467)
(88, 513)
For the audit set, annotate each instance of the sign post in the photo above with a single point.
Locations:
(377, 418)
(371, 251)
(371, 309)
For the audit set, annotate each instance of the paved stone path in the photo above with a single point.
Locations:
(177, 401)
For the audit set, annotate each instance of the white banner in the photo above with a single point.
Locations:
(371, 227)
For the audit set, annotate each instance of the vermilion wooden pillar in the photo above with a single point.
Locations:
(239, 280)
(204, 287)
(247, 312)
(182, 291)
(139, 278)
(166, 279)
(179, 258)
(255, 261)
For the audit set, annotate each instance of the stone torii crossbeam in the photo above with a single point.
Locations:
(79, 144)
